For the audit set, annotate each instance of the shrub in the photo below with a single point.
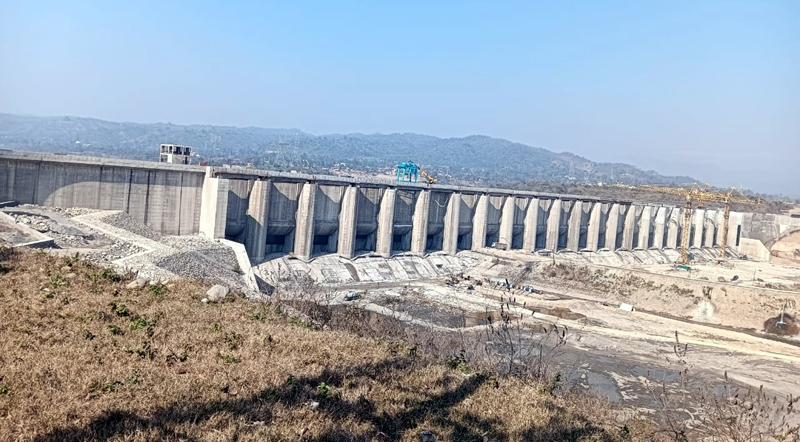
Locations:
(788, 327)
(158, 290)
(110, 275)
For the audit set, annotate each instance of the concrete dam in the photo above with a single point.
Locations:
(304, 215)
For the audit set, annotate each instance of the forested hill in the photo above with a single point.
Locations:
(470, 159)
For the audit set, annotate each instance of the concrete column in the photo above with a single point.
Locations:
(673, 227)
(574, 232)
(629, 228)
(383, 237)
(347, 223)
(735, 221)
(612, 227)
(660, 225)
(255, 239)
(531, 225)
(506, 235)
(304, 222)
(644, 228)
(419, 223)
(699, 222)
(710, 228)
(214, 206)
(720, 221)
(593, 230)
(479, 221)
(553, 226)
(452, 218)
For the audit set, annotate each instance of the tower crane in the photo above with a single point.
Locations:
(698, 196)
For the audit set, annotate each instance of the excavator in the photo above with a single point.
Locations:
(408, 171)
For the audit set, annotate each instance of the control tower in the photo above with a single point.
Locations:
(175, 154)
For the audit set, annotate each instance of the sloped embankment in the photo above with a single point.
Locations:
(85, 358)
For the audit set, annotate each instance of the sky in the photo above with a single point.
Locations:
(709, 88)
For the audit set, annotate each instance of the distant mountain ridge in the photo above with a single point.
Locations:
(474, 158)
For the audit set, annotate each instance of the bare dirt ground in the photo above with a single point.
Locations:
(787, 251)
(708, 293)
(626, 357)
(689, 331)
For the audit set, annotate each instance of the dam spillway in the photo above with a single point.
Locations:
(307, 215)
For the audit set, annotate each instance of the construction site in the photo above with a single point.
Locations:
(652, 299)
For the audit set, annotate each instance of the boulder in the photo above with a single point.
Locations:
(137, 283)
(217, 293)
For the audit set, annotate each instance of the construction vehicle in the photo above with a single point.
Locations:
(408, 171)
(698, 196)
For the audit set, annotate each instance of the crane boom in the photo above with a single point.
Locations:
(428, 177)
(700, 195)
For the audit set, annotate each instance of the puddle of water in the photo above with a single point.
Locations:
(603, 386)
(598, 384)
(656, 375)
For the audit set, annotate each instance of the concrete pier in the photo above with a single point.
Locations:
(452, 223)
(214, 207)
(673, 228)
(255, 241)
(383, 240)
(698, 222)
(659, 228)
(574, 226)
(506, 234)
(531, 225)
(709, 228)
(419, 230)
(553, 226)
(304, 235)
(612, 227)
(734, 229)
(479, 222)
(629, 228)
(347, 223)
(593, 229)
(643, 240)
(720, 221)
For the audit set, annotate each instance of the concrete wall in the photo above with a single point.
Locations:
(767, 227)
(165, 197)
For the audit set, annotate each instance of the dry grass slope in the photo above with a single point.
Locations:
(84, 358)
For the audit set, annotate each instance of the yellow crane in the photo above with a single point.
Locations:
(430, 179)
(699, 196)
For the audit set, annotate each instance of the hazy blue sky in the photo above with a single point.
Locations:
(706, 88)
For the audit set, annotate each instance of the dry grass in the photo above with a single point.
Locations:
(84, 358)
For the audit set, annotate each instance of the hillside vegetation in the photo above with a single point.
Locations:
(623, 193)
(475, 158)
(83, 358)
